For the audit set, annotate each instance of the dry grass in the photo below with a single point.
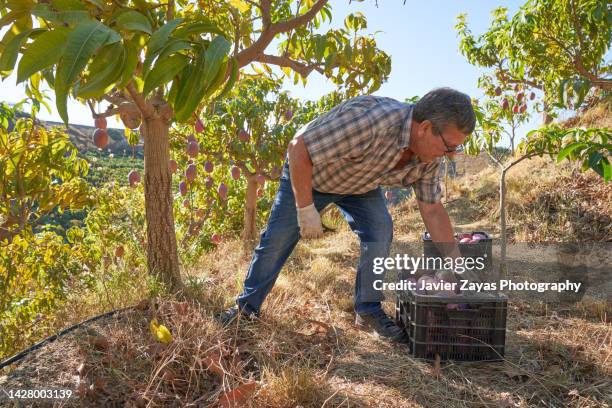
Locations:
(306, 352)
(595, 116)
(561, 204)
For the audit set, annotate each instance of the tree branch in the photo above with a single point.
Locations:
(520, 159)
(145, 109)
(170, 10)
(266, 18)
(245, 56)
(270, 30)
(115, 98)
(298, 67)
(93, 111)
(108, 112)
(236, 31)
(600, 82)
(507, 77)
(284, 26)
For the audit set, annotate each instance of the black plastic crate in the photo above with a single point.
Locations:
(483, 249)
(475, 333)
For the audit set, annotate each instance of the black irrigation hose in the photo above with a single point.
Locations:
(53, 337)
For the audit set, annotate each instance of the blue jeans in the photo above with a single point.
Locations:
(367, 216)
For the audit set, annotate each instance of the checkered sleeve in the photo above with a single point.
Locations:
(428, 188)
(341, 133)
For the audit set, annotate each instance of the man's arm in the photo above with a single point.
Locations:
(440, 229)
(300, 170)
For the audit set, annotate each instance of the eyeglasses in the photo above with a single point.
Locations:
(448, 148)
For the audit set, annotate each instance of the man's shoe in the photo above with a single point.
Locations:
(232, 314)
(382, 325)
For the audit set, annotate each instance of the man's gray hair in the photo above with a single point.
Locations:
(443, 107)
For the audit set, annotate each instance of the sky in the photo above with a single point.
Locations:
(419, 36)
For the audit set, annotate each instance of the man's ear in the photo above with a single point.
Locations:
(423, 127)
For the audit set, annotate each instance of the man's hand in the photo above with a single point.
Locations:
(309, 221)
(440, 229)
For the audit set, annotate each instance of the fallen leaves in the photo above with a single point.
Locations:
(161, 332)
(213, 364)
(238, 396)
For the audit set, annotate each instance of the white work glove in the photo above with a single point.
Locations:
(309, 221)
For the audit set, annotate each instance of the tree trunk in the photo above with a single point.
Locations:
(546, 118)
(162, 256)
(502, 221)
(502, 211)
(250, 211)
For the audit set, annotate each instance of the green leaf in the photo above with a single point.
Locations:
(163, 71)
(232, 78)
(11, 16)
(191, 90)
(218, 80)
(98, 3)
(48, 75)
(131, 61)
(173, 47)
(198, 28)
(330, 61)
(569, 149)
(11, 49)
(607, 169)
(112, 62)
(174, 88)
(160, 37)
(43, 52)
(59, 17)
(68, 5)
(594, 159)
(133, 21)
(158, 41)
(215, 53)
(321, 44)
(81, 44)
(177, 91)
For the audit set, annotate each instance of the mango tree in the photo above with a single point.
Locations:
(556, 46)
(254, 127)
(589, 147)
(39, 173)
(507, 109)
(224, 170)
(491, 116)
(157, 63)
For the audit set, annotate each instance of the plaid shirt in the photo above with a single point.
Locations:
(355, 146)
